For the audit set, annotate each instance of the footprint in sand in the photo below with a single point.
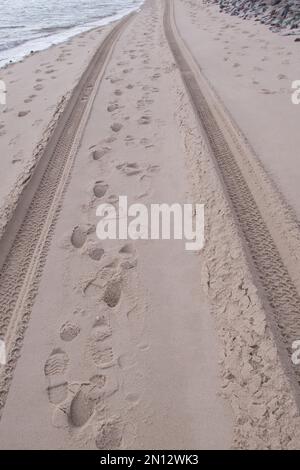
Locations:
(129, 263)
(127, 249)
(112, 107)
(129, 139)
(265, 91)
(101, 353)
(23, 113)
(78, 237)
(69, 331)
(100, 189)
(129, 169)
(116, 127)
(95, 252)
(144, 120)
(58, 393)
(98, 381)
(98, 154)
(56, 363)
(112, 293)
(81, 408)
(109, 435)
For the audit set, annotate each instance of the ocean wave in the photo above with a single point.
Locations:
(45, 23)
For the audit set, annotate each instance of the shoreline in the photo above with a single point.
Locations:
(49, 78)
(20, 53)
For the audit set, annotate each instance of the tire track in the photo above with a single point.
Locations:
(28, 235)
(278, 288)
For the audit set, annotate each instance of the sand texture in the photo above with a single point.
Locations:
(140, 344)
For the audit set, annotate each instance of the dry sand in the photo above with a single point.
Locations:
(252, 70)
(140, 344)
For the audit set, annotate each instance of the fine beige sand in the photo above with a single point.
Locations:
(252, 70)
(142, 344)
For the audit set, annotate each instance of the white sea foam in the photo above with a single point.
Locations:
(34, 25)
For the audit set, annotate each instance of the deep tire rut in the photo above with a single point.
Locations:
(277, 286)
(29, 242)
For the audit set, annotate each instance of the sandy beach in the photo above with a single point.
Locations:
(141, 344)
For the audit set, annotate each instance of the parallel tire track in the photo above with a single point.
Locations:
(22, 268)
(278, 287)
